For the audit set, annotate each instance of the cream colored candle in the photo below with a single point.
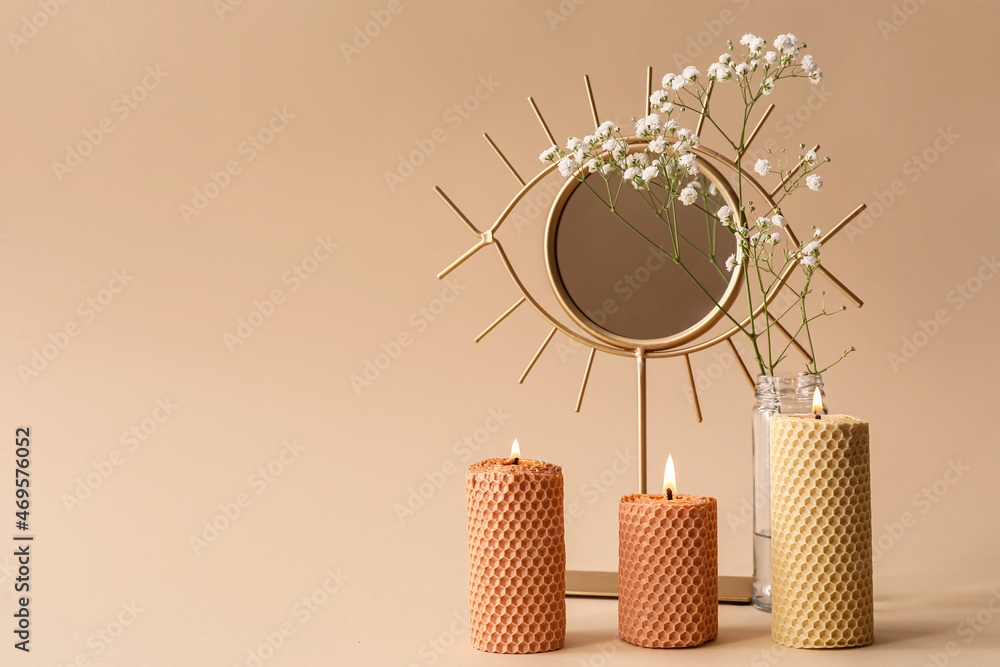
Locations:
(517, 556)
(821, 535)
(668, 570)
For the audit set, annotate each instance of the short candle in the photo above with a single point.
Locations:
(668, 570)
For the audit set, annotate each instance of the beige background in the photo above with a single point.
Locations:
(903, 80)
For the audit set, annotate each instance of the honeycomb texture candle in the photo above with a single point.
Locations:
(668, 570)
(517, 556)
(821, 534)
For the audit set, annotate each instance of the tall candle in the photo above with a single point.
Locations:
(821, 534)
(668, 569)
(517, 556)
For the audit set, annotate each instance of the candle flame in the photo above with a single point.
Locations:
(515, 450)
(669, 476)
(818, 402)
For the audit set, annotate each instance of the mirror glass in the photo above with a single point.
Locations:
(624, 284)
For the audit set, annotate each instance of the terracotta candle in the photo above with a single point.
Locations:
(821, 534)
(668, 569)
(517, 555)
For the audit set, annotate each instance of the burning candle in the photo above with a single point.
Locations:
(821, 535)
(668, 569)
(517, 555)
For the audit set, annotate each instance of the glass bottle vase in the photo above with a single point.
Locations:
(776, 394)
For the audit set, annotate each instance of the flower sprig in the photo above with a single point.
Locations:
(661, 160)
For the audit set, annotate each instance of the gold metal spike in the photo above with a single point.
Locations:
(457, 211)
(760, 123)
(704, 109)
(746, 371)
(791, 339)
(843, 223)
(694, 389)
(500, 319)
(538, 115)
(504, 159)
(586, 376)
(541, 349)
(466, 255)
(590, 98)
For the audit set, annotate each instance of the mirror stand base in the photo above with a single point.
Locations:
(592, 584)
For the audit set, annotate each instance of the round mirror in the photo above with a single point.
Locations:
(621, 288)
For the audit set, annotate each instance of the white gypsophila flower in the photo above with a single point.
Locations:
(658, 99)
(778, 220)
(573, 143)
(731, 263)
(816, 75)
(567, 166)
(771, 57)
(725, 59)
(786, 44)
(774, 238)
(762, 167)
(679, 82)
(694, 184)
(754, 43)
(814, 181)
(658, 145)
(808, 63)
(712, 190)
(754, 64)
(811, 157)
(742, 70)
(593, 164)
(811, 248)
(549, 154)
(650, 172)
(688, 136)
(754, 238)
(810, 260)
(671, 126)
(767, 86)
(604, 130)
(616, 148)
(653, 121)
(688, 196)
(741, 231)
(817, 232)
(608, 169)
(681, 146)
(630, 173)
(640, 127)
(763, 223)
(719, 72)
(725, 214)
(668, 80)
(689, 162)
(637, 160)
(690, 74)
(667, 108)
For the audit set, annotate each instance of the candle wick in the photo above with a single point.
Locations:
(516, 460)
(819, 416)
(670, 494)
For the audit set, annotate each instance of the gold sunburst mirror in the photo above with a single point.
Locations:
(665, 319)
